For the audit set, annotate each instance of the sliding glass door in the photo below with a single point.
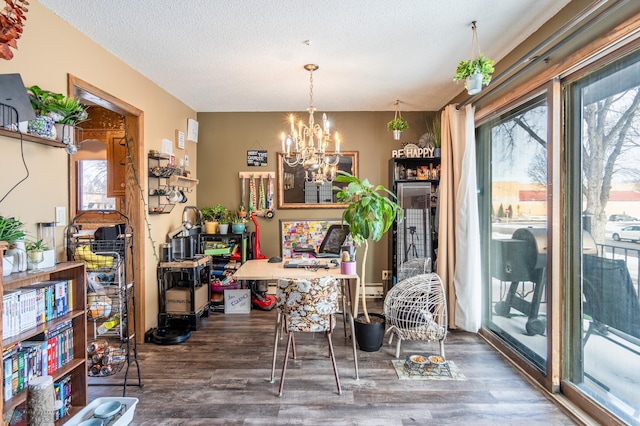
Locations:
(512, 164)
(603, 197)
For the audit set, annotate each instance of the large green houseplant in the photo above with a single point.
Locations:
(370, 212)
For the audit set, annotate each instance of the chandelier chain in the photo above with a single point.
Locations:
(311, 88)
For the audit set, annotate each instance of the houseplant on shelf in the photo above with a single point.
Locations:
(370, 212)
(436, 135)
(211, 217)
(66, 112)
(35, 253)
(476, 73)
(225, 220)
(43, 124)
(10, 231)
(238, 223)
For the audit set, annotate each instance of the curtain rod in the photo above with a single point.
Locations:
(562, 31)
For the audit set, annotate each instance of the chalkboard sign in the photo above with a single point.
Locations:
(257, 157)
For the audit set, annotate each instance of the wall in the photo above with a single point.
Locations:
(48, 50)
(226, 137)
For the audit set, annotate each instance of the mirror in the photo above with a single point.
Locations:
(295, 193)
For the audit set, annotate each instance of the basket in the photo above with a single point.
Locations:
(104, 360)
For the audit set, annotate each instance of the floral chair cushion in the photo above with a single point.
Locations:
(308, 304)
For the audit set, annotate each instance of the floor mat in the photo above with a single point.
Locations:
(450, 371)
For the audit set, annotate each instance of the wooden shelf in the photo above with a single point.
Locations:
(182, 181)
(75, 272)
(32, 138)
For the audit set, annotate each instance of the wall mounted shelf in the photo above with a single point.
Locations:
(32, 138)
(182, 181)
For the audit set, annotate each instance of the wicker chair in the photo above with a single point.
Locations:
(416, 309)
(306, 305)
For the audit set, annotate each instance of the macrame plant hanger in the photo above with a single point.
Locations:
(397, 133)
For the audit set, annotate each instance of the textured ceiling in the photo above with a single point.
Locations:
(248, 55)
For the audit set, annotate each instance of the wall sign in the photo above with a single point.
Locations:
(257, 157)
(412, 151)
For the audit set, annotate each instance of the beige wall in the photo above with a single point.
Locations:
(226, 137)
(49, 50)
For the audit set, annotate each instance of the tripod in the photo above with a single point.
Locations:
(411, 248)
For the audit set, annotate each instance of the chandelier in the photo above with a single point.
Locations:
(308, 144)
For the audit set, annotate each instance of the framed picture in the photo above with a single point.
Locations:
(302, 233)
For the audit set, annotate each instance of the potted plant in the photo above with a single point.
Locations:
(241, 211)
(476, 73)
(237, 223)
(43, 124)
(10, 231)
(35, 253)
(225, 220)
(397, 126)
(66, 112)
(211, 218)
(370, 212)
(436, 133)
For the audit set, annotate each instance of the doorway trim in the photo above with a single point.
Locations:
(133, 206)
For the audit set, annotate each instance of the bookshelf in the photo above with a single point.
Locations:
(76, 368)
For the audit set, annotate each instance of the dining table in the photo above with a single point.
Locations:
(262, 269)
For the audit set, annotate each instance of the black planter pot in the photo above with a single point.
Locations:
(370, 336)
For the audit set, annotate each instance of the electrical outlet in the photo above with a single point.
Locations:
(386, 274)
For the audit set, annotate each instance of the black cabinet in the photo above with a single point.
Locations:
(184, 292)
(415, 182)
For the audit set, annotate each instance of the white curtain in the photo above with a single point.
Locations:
(459, 235)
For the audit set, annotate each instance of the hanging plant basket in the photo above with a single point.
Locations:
(475, 72)
(474, 83)
(398, 124)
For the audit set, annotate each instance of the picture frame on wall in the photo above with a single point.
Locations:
(303, 233)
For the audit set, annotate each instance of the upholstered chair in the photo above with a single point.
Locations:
(306, 305)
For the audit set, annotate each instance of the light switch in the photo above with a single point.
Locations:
(186, 160)
(61, 216)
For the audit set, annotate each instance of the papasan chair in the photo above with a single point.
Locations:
(416, 309)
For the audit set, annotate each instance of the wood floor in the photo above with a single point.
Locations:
(220, 376)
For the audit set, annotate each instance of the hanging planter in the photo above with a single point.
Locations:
(398, 124)
(475, 72)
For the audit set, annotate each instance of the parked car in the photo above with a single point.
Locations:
(631, 233)
(622, 218)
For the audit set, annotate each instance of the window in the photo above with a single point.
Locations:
(92, 186)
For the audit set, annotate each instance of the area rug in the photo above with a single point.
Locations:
(428, 373)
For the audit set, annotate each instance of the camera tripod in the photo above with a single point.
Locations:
(411, 248)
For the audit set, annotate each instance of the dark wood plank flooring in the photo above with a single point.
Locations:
(220, 376)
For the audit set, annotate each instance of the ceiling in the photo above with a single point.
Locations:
(244, 56)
